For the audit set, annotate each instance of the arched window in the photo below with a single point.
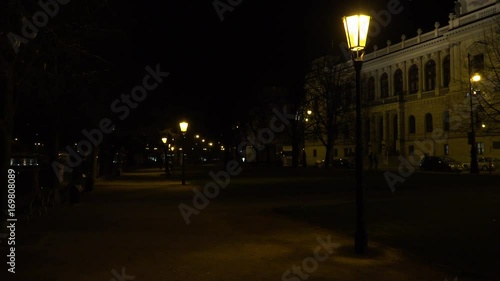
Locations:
(430, 75)
(381, 127)
(367, 129)
(413, 79)
(398, 82)
(384, 86)
(411, 124)
(446, 121)
(446, 71)
(428, 123)
(479, 116)
(395, 127)
(371, 88)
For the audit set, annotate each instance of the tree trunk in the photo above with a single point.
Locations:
(53, 142)
(330, 138)
(92, 161)
(329, 150)
(295, 144)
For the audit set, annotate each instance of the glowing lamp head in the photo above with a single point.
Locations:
(476, 78)
(356, 31)
(164, 140)
(183, 126)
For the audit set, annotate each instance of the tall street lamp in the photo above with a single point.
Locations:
(166, 162)
(474, 166)
(356, 30)
(184, 127)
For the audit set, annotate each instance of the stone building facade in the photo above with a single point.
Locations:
(416, 91)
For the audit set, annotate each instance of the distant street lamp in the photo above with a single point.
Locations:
(356, 29)
(167, 166)
(184, 127)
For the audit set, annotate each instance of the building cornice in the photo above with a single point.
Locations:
(436, 40)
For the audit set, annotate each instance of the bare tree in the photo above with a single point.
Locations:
(329, 99)
(254, 125)
(488, 88)
(48, 68)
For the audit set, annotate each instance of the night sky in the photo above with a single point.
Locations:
(215, 66)
(216, 63)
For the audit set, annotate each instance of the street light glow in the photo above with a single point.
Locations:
(476, 78)
(356, 30)
(183, 126)
(164, 140)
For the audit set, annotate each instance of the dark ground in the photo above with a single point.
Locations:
(433, 227)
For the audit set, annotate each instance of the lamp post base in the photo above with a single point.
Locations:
(361, 242)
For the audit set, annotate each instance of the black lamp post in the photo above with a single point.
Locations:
(356, 29)
(166, 162)
(183, 126)
(474, 166)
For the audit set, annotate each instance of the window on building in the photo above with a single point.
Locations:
(428, 123)
(430, 75)
(315, 153)
(398, 82)
(480, 148)
(446, 71)
(446, 121)
(371, 88)
(395, 128)
(479, 116)
(381, 127)
(411, 149)
(413, 79)
(367, 129)
(446, 149)
(477, 63)
(384, 86)
(411, 124)
(496, 145)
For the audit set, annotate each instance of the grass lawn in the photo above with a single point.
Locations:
(447, 220)
(451, 221)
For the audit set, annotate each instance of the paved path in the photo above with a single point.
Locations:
(131, 229)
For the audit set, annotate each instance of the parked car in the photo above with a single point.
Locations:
(484, 163)
(440, 164)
